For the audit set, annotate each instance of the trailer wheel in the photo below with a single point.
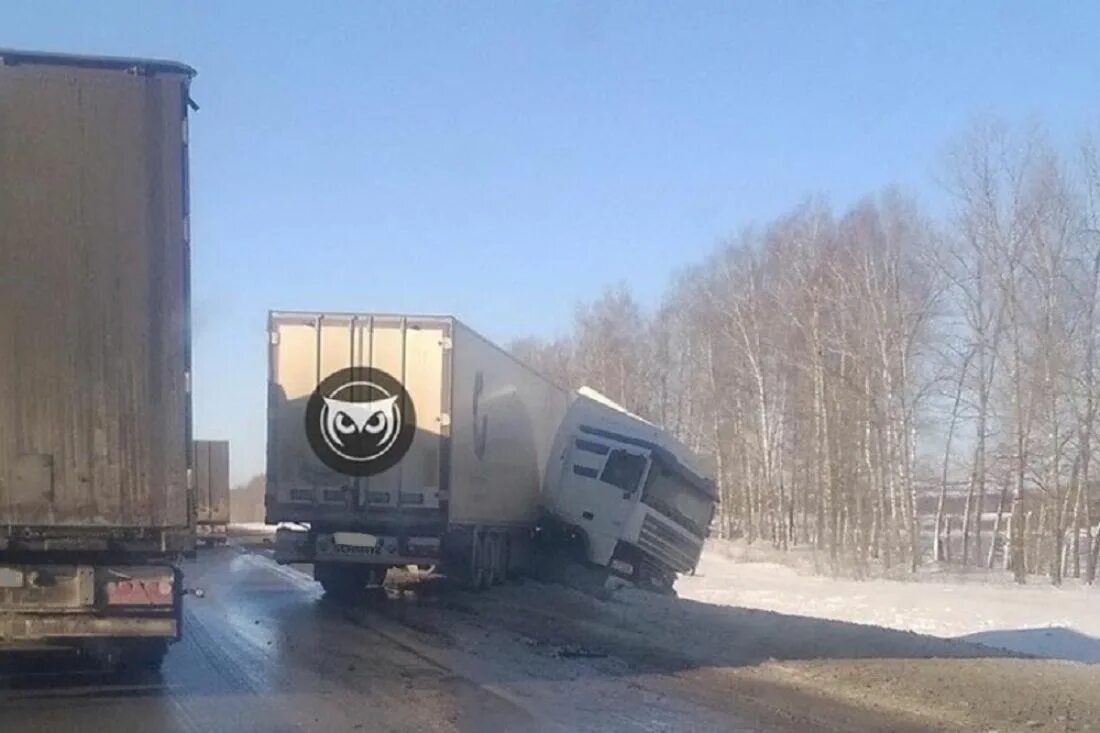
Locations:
(501, 558)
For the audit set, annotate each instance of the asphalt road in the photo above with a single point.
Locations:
(262, 651)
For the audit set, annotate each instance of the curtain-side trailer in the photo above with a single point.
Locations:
(94, 352)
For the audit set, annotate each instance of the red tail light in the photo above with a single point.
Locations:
(156, 591)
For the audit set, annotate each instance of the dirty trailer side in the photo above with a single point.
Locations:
(94, 350)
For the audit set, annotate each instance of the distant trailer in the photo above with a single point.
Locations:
(211, 461)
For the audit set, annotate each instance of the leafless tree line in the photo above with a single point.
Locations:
(887, 388)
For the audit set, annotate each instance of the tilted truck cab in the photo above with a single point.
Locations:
(627, 492)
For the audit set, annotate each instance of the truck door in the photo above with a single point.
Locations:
(600, 486)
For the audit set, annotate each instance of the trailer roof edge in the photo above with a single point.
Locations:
(14, 57)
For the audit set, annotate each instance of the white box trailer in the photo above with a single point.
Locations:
(210, 459)
(400, 440)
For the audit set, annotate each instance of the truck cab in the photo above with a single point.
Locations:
(627, 492)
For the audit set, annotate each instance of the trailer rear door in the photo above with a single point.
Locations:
(211, 466)
(308, 348)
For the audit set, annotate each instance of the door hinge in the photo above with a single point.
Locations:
(445, 420)
(273, 338)
(187, 382)
(446, 343)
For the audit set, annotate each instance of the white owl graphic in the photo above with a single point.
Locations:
(361, 431)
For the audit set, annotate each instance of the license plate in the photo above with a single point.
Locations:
(11, 578)
(336, 545)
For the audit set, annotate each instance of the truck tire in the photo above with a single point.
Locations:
(655, 579)
(501, 558)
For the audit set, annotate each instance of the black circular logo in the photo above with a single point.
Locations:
(360, 421)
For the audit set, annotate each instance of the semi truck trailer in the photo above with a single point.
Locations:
(95, 442)
(210, 460)
(403, 440)
(412, 440)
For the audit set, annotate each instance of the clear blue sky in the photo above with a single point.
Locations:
(502, 160)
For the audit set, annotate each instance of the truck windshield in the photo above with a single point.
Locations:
(672, 494)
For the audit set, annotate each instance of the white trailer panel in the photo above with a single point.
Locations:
(504, 419)
(308, 347)
(485, 424)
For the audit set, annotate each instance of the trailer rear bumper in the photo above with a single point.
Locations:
(298, 546)
(21, 628)
(44, 602)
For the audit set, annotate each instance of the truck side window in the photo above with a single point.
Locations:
(623, 470)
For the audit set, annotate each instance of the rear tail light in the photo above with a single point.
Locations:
(144, 591)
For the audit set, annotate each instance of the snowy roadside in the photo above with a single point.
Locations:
(643, 662)
(1038, 619)
(1061, 623)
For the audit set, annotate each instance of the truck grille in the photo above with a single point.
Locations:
(669, 544)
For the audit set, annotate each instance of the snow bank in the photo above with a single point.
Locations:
(1062, 623)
